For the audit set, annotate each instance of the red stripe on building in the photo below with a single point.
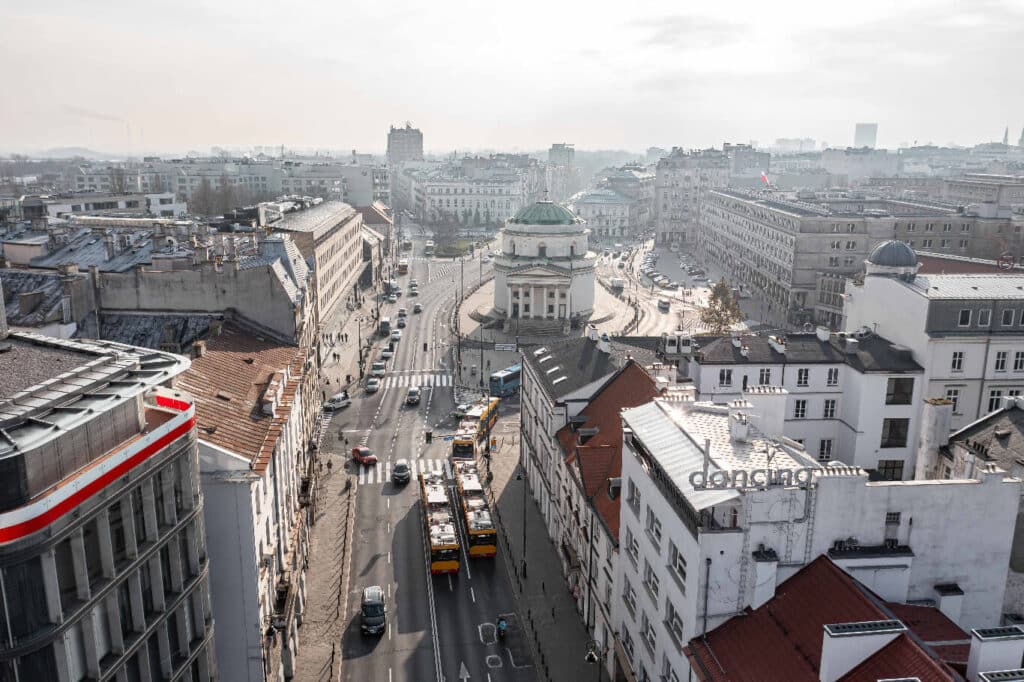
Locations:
(20, 530)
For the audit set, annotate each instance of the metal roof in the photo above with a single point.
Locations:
(982, 286)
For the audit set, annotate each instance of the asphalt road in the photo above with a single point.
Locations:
(439, 628)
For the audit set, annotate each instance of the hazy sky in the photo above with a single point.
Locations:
(510, 75)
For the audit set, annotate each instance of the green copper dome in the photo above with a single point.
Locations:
(544, 213)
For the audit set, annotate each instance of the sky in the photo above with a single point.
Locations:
(152, 76)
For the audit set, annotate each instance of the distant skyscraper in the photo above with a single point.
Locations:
(404, 144)
(865, 135)
(561, 154)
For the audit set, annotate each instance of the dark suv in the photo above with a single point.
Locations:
(372, 613)
(402, 473)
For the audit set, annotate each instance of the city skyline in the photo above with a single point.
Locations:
(228, 75)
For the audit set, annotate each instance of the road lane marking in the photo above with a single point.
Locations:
(451, 585)
(472, 595)
(389, 632)
(389, 561)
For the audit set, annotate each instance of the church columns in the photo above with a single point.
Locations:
(521, 301)
(544, 302)
(508, 298)
(533, 303)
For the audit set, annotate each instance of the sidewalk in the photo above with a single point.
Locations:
(546, 608)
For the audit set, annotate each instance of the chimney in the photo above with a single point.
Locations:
(109, 248)
(4, 331)
(847, 645)
(994, 649)
(736, 342)
(592, 332)
(739, 420)
(198, 349)
(769, 405)
(604, 344)
(766, 564)
(822, 333)
(936, 418)
(852, 346)
(614, 488)
(950, 601)
(778, 344)
(745, 351)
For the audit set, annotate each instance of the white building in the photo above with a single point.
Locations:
(545, 269)
(681, 180)
(161, 204)
(850, 398)
(967, 331)
(254, 410)
(716, 513)
(609, 215)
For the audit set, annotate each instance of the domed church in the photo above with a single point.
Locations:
(545, 270)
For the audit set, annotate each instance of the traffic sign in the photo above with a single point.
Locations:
(505, 346)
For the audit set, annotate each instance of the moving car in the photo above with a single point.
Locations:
(402, 473)
(413, 291)
(388, 352)
(402, 312)
(401, 323)
(378, 369)
(372, 384)
(363, 455)
(392, 299)
(413, 396)
(663, 305)
(414, 282)
(396, 335)
(337, 401)
(460, 411)
(485, 259)
(372, 612)
(418, 308)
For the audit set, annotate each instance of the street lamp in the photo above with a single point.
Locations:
(595, 654)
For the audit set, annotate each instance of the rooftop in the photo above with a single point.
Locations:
(599, 457)
(784, 635)
(997, 437)
(544, 213)
(601, 196)
(567, 367)
(319, 217)
(25, 363)
(873, 353)
(969, 286)
(235, 382)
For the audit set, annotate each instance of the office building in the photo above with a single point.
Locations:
(404, 144)
(865, 135)
(102, 549)
(717, 514)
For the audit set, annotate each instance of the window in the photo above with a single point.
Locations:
(958, 361)
(953, 396)
(963, 243)
(944, 243)
(800, 409)
(1008, 316)
(1001, 361)
(965, 227)
(629, 596)
(667, 673)
(633, 499)
(836, 244)
(833, 261)
(929, 227)
(911, 227)
(803, 377)
(894, 433)
(651, 581)
(825, 449)
(830, 409)
(632, 546)
(892, 518)
(964, 319)
(848, 261)
(891, 469)
(674, 622)
(899, 391)
(627, 642)
(926, 243)
(995, 400)
(984, 317)
(833, 376)
(764, 376)
(1018, 361)
(850, 246)
(653, 527)
(647, 633)
(725, 377)
(677, 564)
(947, 227)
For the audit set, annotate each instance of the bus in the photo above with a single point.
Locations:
(474, 428)
(406, 245)
(506, 382)
(464, 443)
(403, 266)
(428, 249)
(439, 524)
(481, 535)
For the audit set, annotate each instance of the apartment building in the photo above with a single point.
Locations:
(609, 215)
(636, 182)
(794, 250)
(255, 409)
(448, 195)
(717, 514)
(161, 204)
(965, 330)
(681, 180)
(404, 144)
(858, 164)
(851, 398)
(329, 235)
(103, 559)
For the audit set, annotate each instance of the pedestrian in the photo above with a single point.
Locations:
(330, 467)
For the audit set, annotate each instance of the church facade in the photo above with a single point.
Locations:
(545, 270)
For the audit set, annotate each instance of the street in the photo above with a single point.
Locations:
(438, 627)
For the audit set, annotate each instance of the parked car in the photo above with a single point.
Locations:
(363, 455)
(460, 411)
(372, 612)
(337, 401)
(378, 369)
(396, 335)
(418, 308)
(485, 259)
(372, 385)
(413, 396)
(402, 473)
(387, 352)
(392, 299)
(413, 291)
(414, 282)
(402, 312)
(401, 323)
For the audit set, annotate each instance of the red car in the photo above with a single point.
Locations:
(363, 455)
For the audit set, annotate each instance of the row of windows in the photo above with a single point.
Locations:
(999, 361)
(984, 318)
(943, 243)
(764, 377)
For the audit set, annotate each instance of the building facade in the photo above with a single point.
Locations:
(681, 180)
(102, 548)
(545, 269)
(610, 216)
(404, 144)
(865, 135)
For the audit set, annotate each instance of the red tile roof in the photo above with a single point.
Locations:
(785, 634)
(901, 657)
(600, 458)
(936, 265)
(229, 381)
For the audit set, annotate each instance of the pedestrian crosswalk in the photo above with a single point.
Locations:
(421, 380)
(381, 471)
(445, 270)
